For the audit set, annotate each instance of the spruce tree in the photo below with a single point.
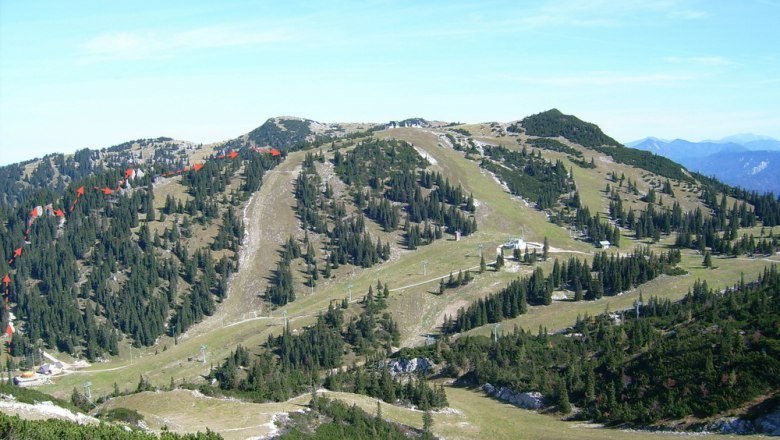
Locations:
(707, 260)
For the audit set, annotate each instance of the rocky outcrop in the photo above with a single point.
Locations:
(730, 425)
(406, 366)
(527, 400)
(768, 424)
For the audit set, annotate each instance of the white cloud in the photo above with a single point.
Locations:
(156, 43)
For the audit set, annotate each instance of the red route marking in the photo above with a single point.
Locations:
(80, 191)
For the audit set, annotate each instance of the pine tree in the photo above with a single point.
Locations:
(427, 421)
(564, 406)
(707, 260)
(578, 290)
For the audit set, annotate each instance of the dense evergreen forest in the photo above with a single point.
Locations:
(387, 176)
(553, 123)
(114, 266)
(711, 352)
(529, 175)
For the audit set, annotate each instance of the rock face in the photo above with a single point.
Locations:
(527, 400)
(768, 424)
(731, 425)
(406, 366)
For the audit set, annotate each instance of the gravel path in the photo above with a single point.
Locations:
(269, 219)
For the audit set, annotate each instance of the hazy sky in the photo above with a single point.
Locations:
(77, 74)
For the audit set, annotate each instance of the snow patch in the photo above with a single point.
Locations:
(760, 167)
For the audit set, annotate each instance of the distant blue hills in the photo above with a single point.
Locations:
(746, 160)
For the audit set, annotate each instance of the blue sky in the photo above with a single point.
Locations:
(81, 74)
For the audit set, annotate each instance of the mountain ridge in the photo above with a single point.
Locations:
(746, 160)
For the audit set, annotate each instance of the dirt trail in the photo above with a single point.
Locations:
(269, 219)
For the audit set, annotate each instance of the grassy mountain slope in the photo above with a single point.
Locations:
(244, 316)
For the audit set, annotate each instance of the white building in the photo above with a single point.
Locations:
(516, 243)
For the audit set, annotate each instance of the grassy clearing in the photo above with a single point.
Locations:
(184, 411)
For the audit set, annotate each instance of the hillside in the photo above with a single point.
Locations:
(305, 255)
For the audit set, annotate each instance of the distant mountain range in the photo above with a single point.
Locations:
(746, 160)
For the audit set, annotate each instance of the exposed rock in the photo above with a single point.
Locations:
(730, 425)
(527, 400)
(406, 366)
(411, 122)
(767, 424)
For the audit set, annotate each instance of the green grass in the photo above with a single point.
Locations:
(185, 411)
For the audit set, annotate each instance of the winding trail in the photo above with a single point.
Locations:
(397, 289)
(269, 219)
